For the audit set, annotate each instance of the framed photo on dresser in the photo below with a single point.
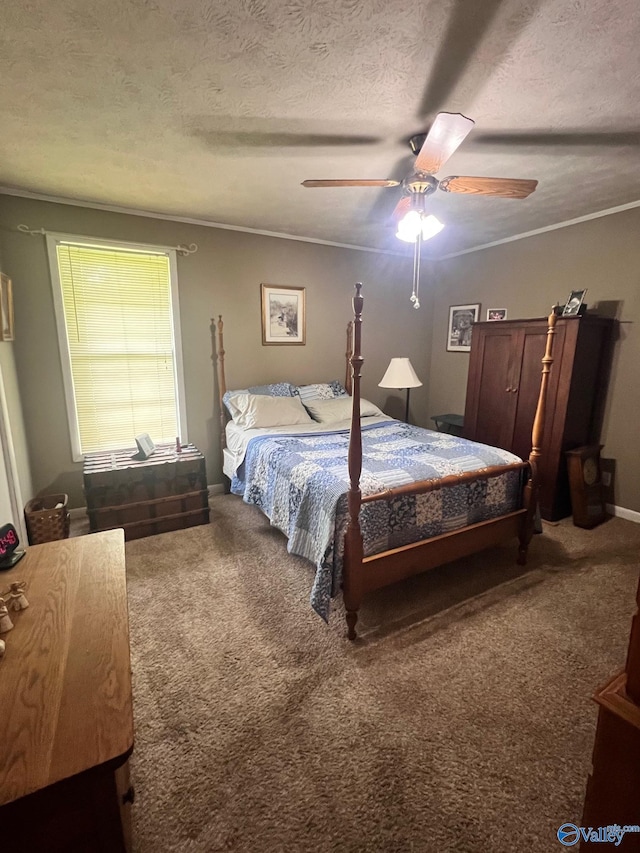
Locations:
(573, 307)
(496, 313)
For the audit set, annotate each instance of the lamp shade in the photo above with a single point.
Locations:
(400, 374)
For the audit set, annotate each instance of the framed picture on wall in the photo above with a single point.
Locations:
(496, 313)
(461, 319)
(6, 309)
(283, 315)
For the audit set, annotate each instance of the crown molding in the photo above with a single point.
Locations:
(148, 214)
(206, 223)
(566, 224)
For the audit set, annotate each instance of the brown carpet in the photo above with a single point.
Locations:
(461, 721)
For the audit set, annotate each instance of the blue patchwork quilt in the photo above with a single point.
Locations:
(300, 483)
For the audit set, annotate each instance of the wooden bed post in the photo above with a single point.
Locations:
(353, 547)
(537, 434)
(348, 354)
(217, 356)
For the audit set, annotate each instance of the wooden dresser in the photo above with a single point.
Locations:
(503, 388)
(66, 725)
(613, 786)
(166, 492)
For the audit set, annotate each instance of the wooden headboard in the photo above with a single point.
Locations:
(217, 357)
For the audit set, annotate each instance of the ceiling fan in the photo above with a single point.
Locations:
(433, 149)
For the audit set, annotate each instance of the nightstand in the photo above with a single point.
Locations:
(452, 424)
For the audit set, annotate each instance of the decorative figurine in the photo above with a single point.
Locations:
(17, 598)
(3, 646)
(5, 620)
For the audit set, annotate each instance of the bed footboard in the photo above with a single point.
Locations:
(362, 574)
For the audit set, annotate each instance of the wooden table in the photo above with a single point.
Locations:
(66, 721)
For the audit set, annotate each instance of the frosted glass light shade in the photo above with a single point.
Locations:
(414, 222)
(400, 374)
(410, 226)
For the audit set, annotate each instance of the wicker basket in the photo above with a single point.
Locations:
(47, 518)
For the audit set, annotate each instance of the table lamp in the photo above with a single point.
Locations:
(400, 374)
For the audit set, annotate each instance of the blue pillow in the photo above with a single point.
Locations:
(321, 391)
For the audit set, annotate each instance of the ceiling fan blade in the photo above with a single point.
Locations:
(498, 187)
(351, 183)
(447, 132)
(402, 207)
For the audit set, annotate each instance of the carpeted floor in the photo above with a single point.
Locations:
(461, 721)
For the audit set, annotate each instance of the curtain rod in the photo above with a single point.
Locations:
(182, 249)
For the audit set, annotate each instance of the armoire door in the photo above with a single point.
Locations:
(526, 381)
(490, 405)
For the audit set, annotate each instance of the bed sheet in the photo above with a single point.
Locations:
(237, 438)
(300, 480)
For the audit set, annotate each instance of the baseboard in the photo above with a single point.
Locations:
(215, 489)
(78, 512)
(622, 512)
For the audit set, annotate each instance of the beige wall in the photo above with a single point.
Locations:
(526, 277)
(223, 277)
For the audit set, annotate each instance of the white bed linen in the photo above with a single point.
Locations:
(238, 439)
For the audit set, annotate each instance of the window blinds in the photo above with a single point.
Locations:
(117, 310)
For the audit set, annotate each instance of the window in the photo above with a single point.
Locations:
(117, 314)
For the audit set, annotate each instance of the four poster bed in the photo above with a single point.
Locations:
(370, 500)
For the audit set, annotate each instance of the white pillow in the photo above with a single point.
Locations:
(338, 409)
(257, 410)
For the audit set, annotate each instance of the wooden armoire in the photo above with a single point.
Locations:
(504, 383)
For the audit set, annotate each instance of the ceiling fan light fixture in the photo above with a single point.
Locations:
(431, 226)
(409, 226)
(414, 223)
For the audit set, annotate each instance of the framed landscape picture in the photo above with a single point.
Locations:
(283, 315)
(461, 319)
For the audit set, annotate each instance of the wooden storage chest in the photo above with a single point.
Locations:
(166, 492)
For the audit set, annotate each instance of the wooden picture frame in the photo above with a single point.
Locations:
(6, 308)
(283, 315)
(574, 303)
(461, 320)
(496, 313)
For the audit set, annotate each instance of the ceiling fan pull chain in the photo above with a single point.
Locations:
(416, 271)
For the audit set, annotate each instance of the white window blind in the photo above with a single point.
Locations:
(117, 305)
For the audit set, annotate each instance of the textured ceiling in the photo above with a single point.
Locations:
(218, 109)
